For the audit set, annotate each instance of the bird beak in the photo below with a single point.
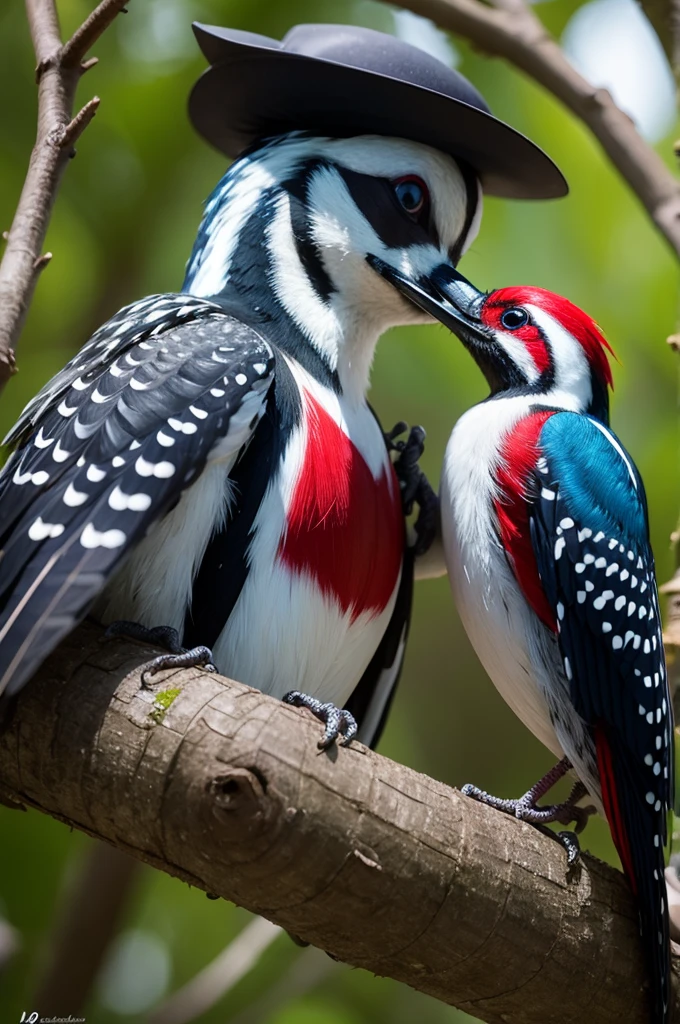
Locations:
(445, 295)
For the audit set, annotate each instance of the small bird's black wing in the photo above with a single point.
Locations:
(106, 449)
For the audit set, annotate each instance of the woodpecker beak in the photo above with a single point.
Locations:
(445, 295)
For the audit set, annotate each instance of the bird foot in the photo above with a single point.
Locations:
(415, 487)
(527, 808)
(162, 636)
(338, 722)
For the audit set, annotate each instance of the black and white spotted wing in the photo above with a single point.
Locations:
(106, 449)
(590, 537)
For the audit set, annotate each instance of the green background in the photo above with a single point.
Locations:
(122, 228)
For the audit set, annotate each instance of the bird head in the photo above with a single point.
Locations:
(316, 235)
(527, 340)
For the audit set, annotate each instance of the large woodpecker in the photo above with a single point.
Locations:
(208, 463)
(545, 531)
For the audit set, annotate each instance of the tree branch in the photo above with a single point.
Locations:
(383, 867)
(218, 977)
(663, 17)
(58, 72)
(511, 30)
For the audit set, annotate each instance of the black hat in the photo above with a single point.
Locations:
(342, 80)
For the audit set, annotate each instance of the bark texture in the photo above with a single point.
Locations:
(384, 868)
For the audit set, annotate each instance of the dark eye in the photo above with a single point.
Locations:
(411, 193)
(514, 318)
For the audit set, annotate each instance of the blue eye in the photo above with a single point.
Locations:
(411, 193)
(514, 318)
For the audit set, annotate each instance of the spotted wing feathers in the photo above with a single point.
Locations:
(590, 537)
(107, 449)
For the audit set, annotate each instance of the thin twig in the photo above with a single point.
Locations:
(663, 17)
(84, 38)
(309, 971)
(511, 30)
(88, 918)
(74, 129)
(59, 70)
(216, 979)
(10, 943)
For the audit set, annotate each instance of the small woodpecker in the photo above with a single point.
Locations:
(545, 532)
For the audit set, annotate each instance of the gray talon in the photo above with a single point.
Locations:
(569, 840)
(162, 636)
(527, 808)
(338, 722)
(195, 657)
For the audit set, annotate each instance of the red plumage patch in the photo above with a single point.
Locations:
(344, 527)
(611, 804)
(574, 320)
(529, 335)
(519, 453)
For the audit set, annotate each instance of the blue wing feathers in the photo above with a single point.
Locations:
(600, 486)
(596, 566)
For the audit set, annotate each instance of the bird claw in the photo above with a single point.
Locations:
(338, 722)
(390, 437)
(526, 808)
(193, 657)
(406, 465)
(162, 636)
(414, 485)
(569, 840)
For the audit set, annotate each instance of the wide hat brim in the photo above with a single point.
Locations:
(259, 87)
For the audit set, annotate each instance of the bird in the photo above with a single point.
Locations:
(546, 539)
(207, 473)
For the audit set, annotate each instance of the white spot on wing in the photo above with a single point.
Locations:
(66, 410)
(40, 441)
(161, 470)
(73, 498)
(120, 501)
(59, 454)
(39, 530)
(92, 538)
(94, 474)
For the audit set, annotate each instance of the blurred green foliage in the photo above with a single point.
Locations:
(122, 228)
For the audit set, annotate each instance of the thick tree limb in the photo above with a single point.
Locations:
(511, 30)
(383, 867)
(58, 72)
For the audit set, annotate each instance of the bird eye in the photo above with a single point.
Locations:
(411, 193)
(514, 318)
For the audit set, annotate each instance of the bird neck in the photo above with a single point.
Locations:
(592, 399)
(255, 255)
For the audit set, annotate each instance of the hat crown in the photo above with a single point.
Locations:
(343, 81)
(383, 54)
